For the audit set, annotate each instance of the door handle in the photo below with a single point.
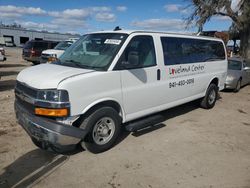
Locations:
(158, 74)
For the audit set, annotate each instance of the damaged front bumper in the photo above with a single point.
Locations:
(48, 131)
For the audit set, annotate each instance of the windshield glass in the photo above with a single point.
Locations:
(63, 45)
(234, 65)
(93, 51)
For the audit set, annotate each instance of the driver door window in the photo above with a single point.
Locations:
(139, 53)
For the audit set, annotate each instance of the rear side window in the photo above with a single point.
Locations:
(143, 48)
(184, 51)
(53, 44)
(41, 45)
(28, 45)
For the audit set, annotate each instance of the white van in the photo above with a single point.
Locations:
(107, 79)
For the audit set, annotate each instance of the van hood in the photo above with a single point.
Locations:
(48, 76)
(53, 51)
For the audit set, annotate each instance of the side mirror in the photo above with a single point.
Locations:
(133, 60)
(246, 69)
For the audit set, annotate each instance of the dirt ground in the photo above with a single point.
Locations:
(193, 147)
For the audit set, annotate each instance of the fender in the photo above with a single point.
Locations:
(210, 81)
(104, 100)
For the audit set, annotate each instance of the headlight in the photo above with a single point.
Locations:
(53, 95)
(53, 103)
(229, 78)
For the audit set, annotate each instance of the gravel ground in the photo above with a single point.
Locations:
(193, 147)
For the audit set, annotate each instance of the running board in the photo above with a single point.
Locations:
(144, 122)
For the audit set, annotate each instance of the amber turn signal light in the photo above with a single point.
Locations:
(52, 59)
(51, 112)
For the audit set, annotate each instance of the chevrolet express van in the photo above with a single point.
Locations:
(109, 78)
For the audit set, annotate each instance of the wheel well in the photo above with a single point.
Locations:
(112, 104)
(109, 103)
(215, 81)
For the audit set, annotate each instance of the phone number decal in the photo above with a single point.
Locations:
(181, 83)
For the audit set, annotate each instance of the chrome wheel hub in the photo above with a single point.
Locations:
(212, 97)
(103, 131)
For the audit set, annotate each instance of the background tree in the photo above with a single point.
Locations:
(205, 9)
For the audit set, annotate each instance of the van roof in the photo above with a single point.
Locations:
(159, 32)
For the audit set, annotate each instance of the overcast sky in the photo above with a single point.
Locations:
(77, 16)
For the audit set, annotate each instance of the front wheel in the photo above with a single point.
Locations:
(104, 125)
(210, 98)
(238, 86)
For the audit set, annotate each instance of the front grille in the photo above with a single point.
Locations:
(45, 58)
(45, 55)
(29, 107)
(22, 90)
(29, 91)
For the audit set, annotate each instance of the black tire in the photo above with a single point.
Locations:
(238, 86)
(210, 98)
(35, 62)
(104, 125)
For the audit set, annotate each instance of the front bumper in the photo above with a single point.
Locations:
(48, 131)
(31, 58)
(230, 84)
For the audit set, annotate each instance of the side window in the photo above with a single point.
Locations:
(172, 50)
(53, 44)
(41, 45)
(184, 50)
(139, 53)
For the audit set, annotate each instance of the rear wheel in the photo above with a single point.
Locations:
(104, 125)
(210, 98)
(238, 86)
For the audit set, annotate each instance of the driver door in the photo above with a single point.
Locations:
(140, 77)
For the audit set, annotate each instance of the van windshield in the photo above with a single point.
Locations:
(93, 51)
(63, 45)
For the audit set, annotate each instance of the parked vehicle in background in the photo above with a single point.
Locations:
(238, 74)
(2, 41)
(107, 79)
(51, 55)
(2, 54)
(233, 50)
(9, 44)
(32, 49)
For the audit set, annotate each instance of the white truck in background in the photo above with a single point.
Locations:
(51, 55)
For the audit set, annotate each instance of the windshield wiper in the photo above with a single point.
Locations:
(77, 64)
